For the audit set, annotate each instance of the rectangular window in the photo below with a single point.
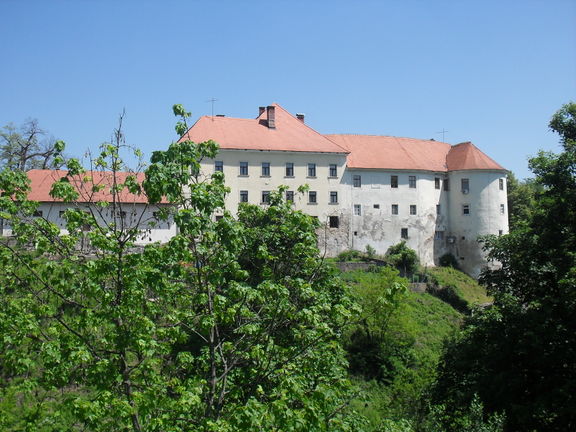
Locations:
(501, 184)
(265, 197)
(289, 169)
(334, 221)
(436, 182)
(219, 217)
(265, 169)
(376, 206)
(218, 166)
(394, 209)
(412, 181)
(333, 170)
(333, 197)
(438, 209)
(357, 181)
(243, 168)
(412, 209)
(404, 233)
(502, 209)
(439, 235)
(446, 185)
(37, 213)
(500, 232)
(465, 185)
(61, 214)
(357, 209)
(311, 170)
(312, 197)
(243, 196)
(290, 196)
(394, 181)
(465, 209)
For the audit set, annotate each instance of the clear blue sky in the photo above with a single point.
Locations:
(490, 72)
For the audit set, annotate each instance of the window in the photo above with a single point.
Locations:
(500, 232)
(357, 209)
(394, 181)
(37, 213)
(311, 170)
(334, 221)
(465, 185)
(219, 217)
(501, 184)
(466, 209)
(357, 181)
(289, 169)
(404, 233)
(333, 171)
(290, 196)
(243, 168)
(436, 182)
(502, 209)
(243, 196)
(122, 214)
(218, 166)
(376, 206)
(312, 197)
(265, 169)
(438, 209)
(446, 185)
(265, 197)
(394, 209)
(333, 197)
(412, 182)
(439, 235)
(412, 209)
(61, 214)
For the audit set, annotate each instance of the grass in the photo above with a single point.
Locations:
(463, 285)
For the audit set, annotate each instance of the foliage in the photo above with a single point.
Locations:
(232, 325)
(449, 260)
(403, 258)
(521, 200)
(370, 251)
(349, 255)
(465, 288)
(520, 355)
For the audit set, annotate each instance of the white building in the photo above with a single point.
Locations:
(366, 190)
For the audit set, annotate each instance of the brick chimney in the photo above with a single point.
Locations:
(261, 111)
(271, 117)
(300, 116)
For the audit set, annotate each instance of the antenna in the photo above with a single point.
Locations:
(443, 132)
(212, 100)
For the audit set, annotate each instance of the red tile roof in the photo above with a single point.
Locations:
(42, 180)
(290, 134)
(466, 156)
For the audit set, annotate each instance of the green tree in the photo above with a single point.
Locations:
(232, 325)
(520, 355)
(403, 258)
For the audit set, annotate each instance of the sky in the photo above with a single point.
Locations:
(490, 72)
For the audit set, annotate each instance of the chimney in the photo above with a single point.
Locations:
(271, 117)
(220, 115)
(261, 111)
(300, 116)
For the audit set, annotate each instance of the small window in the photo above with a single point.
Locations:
(412, 182)
(500, 232)
(243, 168)
(289, 169)
(357, 209)
(333, 171)
(61, 214)
(438, 209)
(37, 213)
(376, 206)
(502, 209)
(333, 197)
(290, 196)
(218, 166)
(244, 196)
(437, 182)
(312, 197)
(394, 209)
(439, 235)
(394, 181)
(219, 217)
(446, 185)
(311, 170)
(355, 233)
(334, 221)
(122, 214)
(412, 209)
(357, 181)
(465, 209)
(404, 233)
(465, 185)
(265, 197)
(265, 169)
(501, 184)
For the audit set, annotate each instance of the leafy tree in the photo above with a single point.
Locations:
(26, 147)
(521, 200)
(403, 258)
(520, 355)
(232, 325)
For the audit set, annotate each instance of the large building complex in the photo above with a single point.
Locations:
(365, 190)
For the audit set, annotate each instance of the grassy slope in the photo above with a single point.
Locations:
(465, 287)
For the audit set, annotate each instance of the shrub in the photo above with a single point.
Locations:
(349, 255)
(448, 260)
(403, 258)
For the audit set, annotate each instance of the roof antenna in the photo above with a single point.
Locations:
(212, 100)
(443, 132)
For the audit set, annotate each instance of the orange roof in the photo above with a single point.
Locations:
(42, 180)
(466, 156)
(290, 134)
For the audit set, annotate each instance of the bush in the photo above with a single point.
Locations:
(448, 260)
(403, 258)
(370, 251)
(349, 255)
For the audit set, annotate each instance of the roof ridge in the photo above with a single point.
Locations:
(388, 136)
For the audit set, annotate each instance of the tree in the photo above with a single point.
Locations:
(26, 147)
(232, 325)
(521, 200)
(520, 355)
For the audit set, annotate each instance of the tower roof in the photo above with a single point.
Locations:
(466, 156)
